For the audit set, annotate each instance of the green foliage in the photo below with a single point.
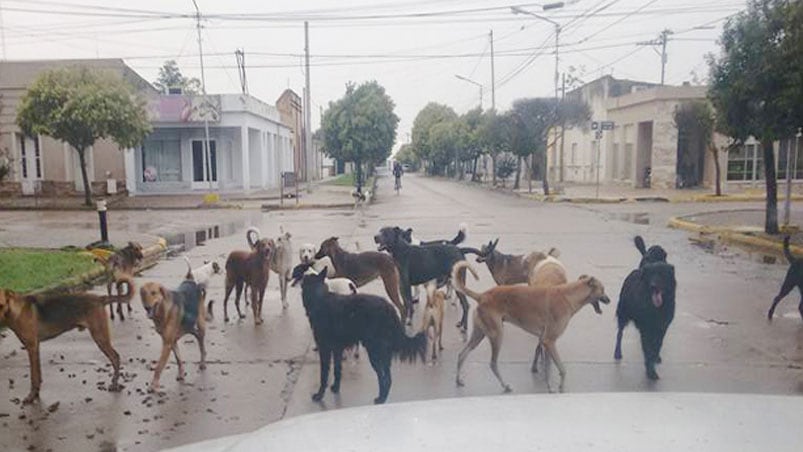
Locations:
(695, 117)
(428, 117)
(80, 106)
(756, 88)
(24, 270)
(170, 76)
(361, 126)
(406, 156)
(506, 166)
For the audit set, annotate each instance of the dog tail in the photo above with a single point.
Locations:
(409, 348)
(121, 297)
(554, 252)
(461, 234)
(189, 269)
(787, 252)
(252, 235)
(468, 250)
(640, 245)
(458, 275)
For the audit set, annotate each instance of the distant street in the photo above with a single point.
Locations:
(720, 340)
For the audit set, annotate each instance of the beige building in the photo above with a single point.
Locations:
(644, 136)
(43, 165)
(308, 162)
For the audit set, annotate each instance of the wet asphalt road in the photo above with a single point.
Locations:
(720, 340)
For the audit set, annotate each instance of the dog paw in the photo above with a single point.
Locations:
(335, 389)
(225, 320)
(379, 401)
(534, 369)
(507, 389)
(317, 397)
(115, 387)
(202, 366)
(658, 360)
(459, 383)
(652, 374)
(30, 399)
(617, 355)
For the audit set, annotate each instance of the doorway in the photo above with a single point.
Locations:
(203, 174)
(644, 155)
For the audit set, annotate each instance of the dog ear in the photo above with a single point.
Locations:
(164, 293)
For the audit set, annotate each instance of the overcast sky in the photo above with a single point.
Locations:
(412, 52)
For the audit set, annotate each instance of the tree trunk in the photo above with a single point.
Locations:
(771, 214)
(358, 174)
(518, 174)
(493, 161)
(717, 170)
(474, 170)
(544, 171)
(84, 177)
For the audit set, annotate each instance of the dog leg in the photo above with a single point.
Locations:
(199, 336)
(539, 351)
(262, 299)
(617, 352)
(648, 345)
(109, 291)
(160, 365)
(32, 346)
(463, 323)
(385, 382)
(325, 356)
(229, 288)
(180, 376)
(283, 289)
(120, 311)
(553, 353)
(477, 335)
(800, 307)
(786, 287)
(237, 293)
(338, 359)
(496, 345)
(99, 331)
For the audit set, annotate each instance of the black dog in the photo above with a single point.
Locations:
(648, 299)
(420, 264)
(794, 278)
(655, 254)
(407, 234)
(342, 321)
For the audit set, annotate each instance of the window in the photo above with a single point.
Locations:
(786, 147)
(161, 161)
(745, 163)
(198, 160)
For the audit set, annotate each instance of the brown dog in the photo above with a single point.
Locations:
(363, 268)
(176, 313)
(541, 311)
(123, 262)
(252, 269)
(433, 317)
(509, 269)
(35, 319)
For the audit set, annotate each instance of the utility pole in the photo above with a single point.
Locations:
(2, 35)
(205, 110)
(562, 131)
(240, 55)
(662, 40)
(493, 74)
(307, 106)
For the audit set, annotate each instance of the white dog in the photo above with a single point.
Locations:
(201, 275)
(341, 286)
(306, 254)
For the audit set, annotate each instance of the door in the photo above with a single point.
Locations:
(30, 160)
(202, 174)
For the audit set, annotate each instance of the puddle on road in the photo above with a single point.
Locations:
(189, 239)
(629, 217)
(339, 214)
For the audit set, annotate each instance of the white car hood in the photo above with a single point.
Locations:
(563, 422)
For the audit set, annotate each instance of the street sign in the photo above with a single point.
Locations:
(606, 125)
(594, 125)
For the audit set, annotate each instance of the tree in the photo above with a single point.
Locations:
(170, 76)
(80, 106)
(406, 156)
(755, 83)
(494, 133)
(432, 114)
(472, 146)
(361, 126)
(695, 123)
(507, 165)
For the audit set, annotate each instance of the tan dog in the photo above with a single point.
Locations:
(541, 311)
(35, 319)
(123, 263)
(252, 269)
(433, 317)
(176, 313)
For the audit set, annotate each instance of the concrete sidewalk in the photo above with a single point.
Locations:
(322, 195)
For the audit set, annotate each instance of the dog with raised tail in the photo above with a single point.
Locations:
(281, 259)
(202, 274)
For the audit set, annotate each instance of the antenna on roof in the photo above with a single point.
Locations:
(240, 55)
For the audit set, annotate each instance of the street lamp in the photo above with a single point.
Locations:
(466, 79)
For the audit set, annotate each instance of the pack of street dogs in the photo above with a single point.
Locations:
(533, 292)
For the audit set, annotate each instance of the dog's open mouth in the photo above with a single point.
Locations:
(657, 298)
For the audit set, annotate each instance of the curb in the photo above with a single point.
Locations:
(151, 256)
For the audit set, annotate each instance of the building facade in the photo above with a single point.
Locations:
(249, 147)
(42, 165)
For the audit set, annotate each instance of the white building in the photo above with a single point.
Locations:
(249, 146)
